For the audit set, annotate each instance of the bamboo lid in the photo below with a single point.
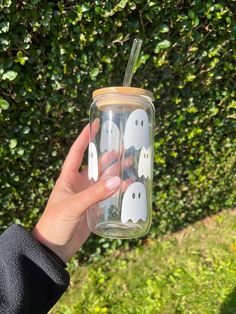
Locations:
(123, 90)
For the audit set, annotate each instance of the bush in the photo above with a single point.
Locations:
(53, 55)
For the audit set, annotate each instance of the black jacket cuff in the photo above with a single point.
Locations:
(32, 278)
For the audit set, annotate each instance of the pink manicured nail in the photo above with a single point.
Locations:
(112, 183)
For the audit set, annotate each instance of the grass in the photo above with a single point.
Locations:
(192, 271)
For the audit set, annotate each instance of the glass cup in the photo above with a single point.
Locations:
(121, 144)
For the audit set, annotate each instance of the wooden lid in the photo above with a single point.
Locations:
(123, 90)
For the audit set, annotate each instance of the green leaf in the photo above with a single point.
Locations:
(196, 22)
(106, 59)
(13, 143)
(9, 75)
(6, 3)
(233, 104)
(21, 58)
(85, 8)
(34, 2)
(20, 151)
(60, 6)
(191, 14)
(214, 111)
(165, 44)
(78, 78)
(4, 104)
(26, 130)
(122, 4)
(164, 28)
(98, 10)
(4, 27)
(94, 72)
(231, 116)
(190, 77)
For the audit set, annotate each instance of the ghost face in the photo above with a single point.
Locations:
(137, 130)
(110, 137)
(92, 162)
(145, 163)
(134, 205)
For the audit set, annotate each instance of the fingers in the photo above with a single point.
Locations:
(107, 159)
(125, 184)
(101, 190)
(114, 169)
(111, 170)
(76, 153)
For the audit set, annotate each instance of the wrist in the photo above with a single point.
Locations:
(53, 256)
(47, 244)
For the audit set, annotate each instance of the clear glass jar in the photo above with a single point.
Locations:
(121, 144)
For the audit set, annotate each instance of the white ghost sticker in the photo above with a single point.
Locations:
(134, 204)
(92, 162)
(137, 130)
(110, 137)
(144, 164)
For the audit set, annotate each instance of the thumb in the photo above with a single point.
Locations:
(95, 193)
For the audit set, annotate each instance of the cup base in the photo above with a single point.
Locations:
(116, 230)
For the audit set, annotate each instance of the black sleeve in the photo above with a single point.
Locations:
(31, 278)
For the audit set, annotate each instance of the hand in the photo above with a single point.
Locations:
(63, 225)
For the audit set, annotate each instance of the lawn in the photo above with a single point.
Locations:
(192, 271)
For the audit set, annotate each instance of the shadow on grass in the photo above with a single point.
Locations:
(229, 305)
(95, 248)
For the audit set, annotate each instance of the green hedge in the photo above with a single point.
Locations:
(54, 54)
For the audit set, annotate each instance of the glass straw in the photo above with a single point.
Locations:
(133, 57)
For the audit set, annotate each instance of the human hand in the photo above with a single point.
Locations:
(63, 225)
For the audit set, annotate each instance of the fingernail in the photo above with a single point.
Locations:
(112, 183)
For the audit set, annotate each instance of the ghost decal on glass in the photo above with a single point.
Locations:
(110, 137)
(92, 162)
(134, 204)
(145, 163)
(137, 130)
